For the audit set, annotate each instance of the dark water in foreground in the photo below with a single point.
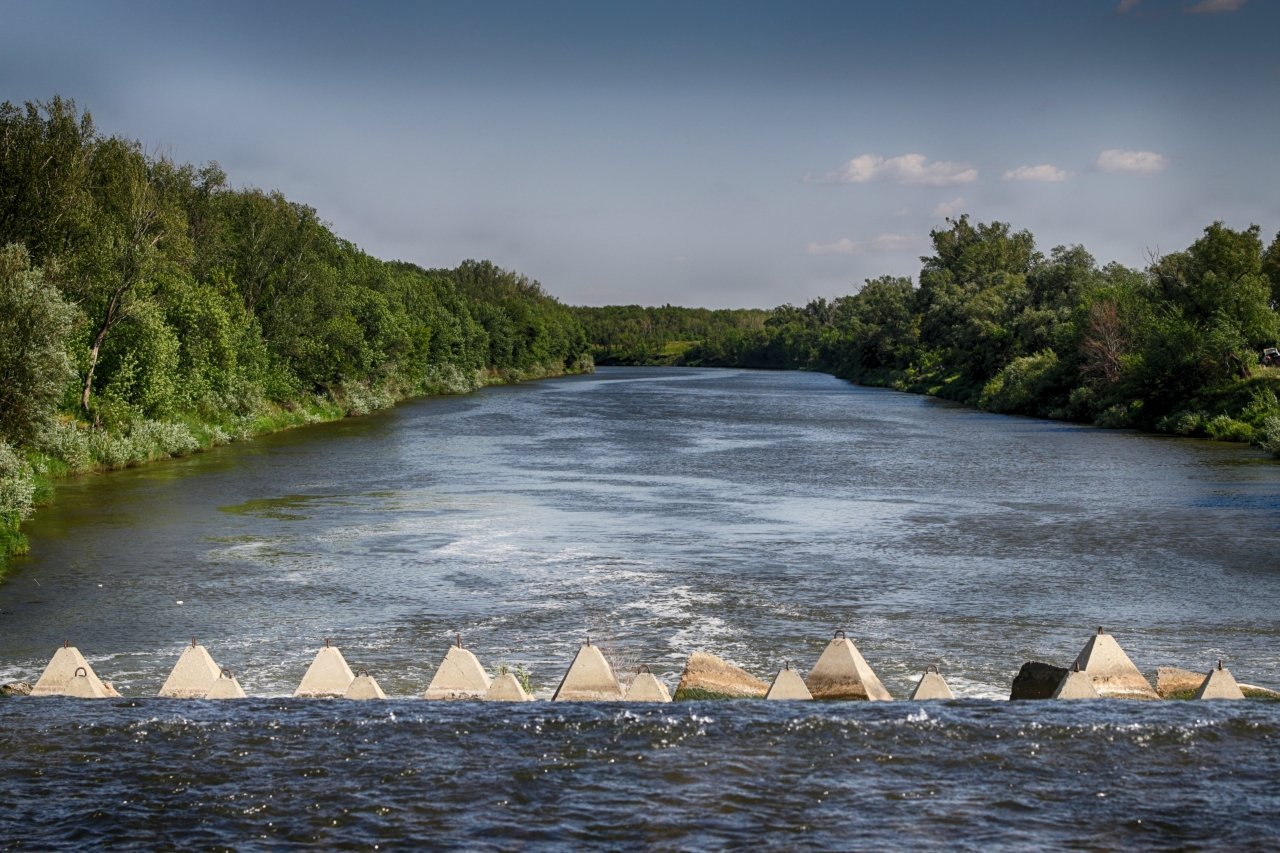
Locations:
(660, 511)
(695, 775)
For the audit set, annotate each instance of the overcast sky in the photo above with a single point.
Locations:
(727, 154)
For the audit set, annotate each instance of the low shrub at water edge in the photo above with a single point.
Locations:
(17, 498)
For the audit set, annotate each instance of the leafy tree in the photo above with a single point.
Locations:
(34, 325)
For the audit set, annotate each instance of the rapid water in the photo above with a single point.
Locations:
(659, 512)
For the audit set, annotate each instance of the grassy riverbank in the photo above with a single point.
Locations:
(74, 448)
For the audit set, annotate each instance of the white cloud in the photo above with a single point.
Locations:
(845, 246)
(1132, 162)
(947, 208)
(1044, 173)
(1210, 6)
(903, 169)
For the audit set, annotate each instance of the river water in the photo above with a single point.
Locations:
(658, 511)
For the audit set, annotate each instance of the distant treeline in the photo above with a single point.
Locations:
(995, 323)
(630, 334)
(147, 309)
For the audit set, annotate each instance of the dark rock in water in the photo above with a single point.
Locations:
(1037, 680)
(15, 688)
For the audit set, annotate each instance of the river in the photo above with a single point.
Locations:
(657, 511)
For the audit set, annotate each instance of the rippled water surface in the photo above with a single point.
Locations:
(658, 511)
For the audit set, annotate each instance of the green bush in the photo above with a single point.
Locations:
(17, 487)
(1227, 428)
(1269, 435)
(1022, 384)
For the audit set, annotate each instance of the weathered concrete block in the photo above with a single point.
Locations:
(56, 680)
(708, 677)
(1175, 683)
(193, 674)
(589, 679)
(507, 688)
(459, 676)
(327, 677)
(1076, 685)
(15, 688)
(788, 685)
(932, 686)
(646, 687)
(1113, 675)
(1219, 684)
(364, 687)
(842, 673)
(226, 687)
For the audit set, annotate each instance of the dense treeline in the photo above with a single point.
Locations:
(996, 324)
(631, 334)
(147, 308)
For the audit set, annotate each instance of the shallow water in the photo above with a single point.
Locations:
(658, 511)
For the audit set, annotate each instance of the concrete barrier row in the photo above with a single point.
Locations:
(1101, 670)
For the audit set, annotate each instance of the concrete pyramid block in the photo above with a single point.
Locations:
(507, 688)
(226, 687)
(842, 673)
(1076, 685)
(1113, 675)
(193, 674)
(932, 686)
(82, 687)
(62, 668)
(788, 684)
(589, 679)
(364, 687)
(327, 677)
(459, 676)
(646, 687)
(1219, 684)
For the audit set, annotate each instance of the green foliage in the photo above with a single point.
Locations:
(1270, 435)
(205, 313)
(997, 324)
(631, 334)
(35, 323)
(1022, 384)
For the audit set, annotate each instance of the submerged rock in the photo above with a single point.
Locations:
(1037, 680)
(708, 677)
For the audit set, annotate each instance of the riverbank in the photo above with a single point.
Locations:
(1238, 411)
(28, 476)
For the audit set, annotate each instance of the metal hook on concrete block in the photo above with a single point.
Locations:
(841, 634)
(81, 672)
(226, 673)
(933, 667)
